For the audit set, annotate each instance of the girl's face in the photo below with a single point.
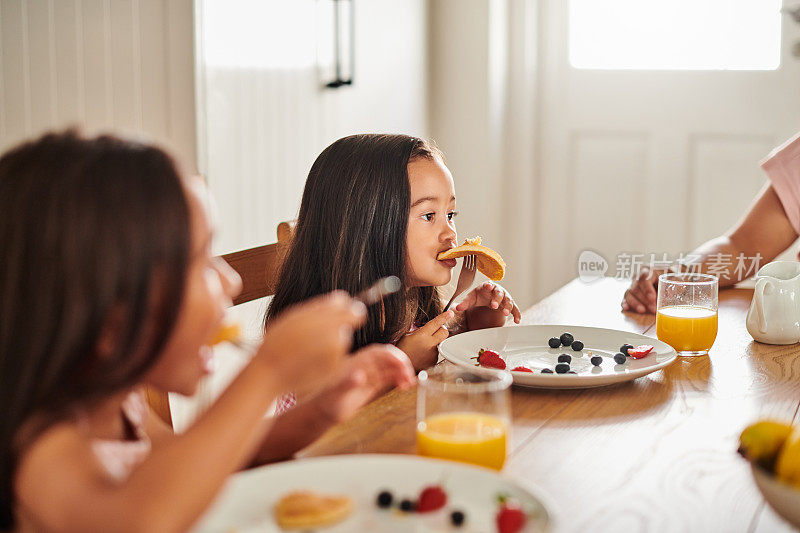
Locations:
(210, 286)
(431, 224)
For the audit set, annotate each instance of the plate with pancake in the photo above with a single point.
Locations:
(340, 494)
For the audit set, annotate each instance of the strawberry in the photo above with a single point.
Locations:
(510, 518)
(640, 351)
(431, 498)
(521, 369)
(491, 359)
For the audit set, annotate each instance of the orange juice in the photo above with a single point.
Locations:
(470, 437)
(687, 328)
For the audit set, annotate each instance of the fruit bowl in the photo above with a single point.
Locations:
(783, 498)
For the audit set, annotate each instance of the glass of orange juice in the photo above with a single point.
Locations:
(464, 415)
(687, 312)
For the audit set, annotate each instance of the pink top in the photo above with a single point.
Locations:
(120, 457)
(782, 166)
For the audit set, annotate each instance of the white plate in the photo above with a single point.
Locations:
(527, 346)
(247, 500)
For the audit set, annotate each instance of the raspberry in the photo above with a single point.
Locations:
(431, 498)
(510, 519)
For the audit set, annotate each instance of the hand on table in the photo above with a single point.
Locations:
(642, 295)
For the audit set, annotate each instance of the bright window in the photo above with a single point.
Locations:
(257, 34)
(675, 34)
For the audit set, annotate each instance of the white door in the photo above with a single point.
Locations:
(654, 118)
(264, 114)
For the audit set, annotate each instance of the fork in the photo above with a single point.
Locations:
(368, 296)
(465, 277)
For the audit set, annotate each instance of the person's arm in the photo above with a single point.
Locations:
(292, 431)
(370, 372)
(365, 375)
(58, 481)
(764, 230)
(157, 430)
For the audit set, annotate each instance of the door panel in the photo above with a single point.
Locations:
(653, 161)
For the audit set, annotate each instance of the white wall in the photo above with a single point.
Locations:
(264, 117)
(101, 64)
(483, 90)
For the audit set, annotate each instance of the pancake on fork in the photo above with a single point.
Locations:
(490, 264)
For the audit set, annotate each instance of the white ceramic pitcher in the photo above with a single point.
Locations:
(774, 316)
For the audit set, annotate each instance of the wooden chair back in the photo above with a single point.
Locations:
(259, 268)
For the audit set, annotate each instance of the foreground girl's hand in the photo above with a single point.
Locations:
(420, 345)
(306, 344)
(498, 302)
(369, 372)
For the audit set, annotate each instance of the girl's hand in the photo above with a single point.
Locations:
(307, 343)
(420, 345)
(371, 371)
(641, 296)
(496, 299)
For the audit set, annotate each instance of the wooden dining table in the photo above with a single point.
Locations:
(654, 454)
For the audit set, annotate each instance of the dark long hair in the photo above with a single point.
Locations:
(352, 229)
(90, 230)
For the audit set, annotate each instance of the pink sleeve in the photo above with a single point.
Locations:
(285, 403)
(783, 168)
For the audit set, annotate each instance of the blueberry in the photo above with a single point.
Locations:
(457, 518)
(625, 347)
(562, 368)
(596, 360)
(546, 371)
(577, 346)
(555, 342)
(384, 499)
(571, 372)
(564, 358)
(619, 358)
(566, 339)
(406, 505)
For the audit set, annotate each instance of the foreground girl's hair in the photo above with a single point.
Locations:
(83, 251)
